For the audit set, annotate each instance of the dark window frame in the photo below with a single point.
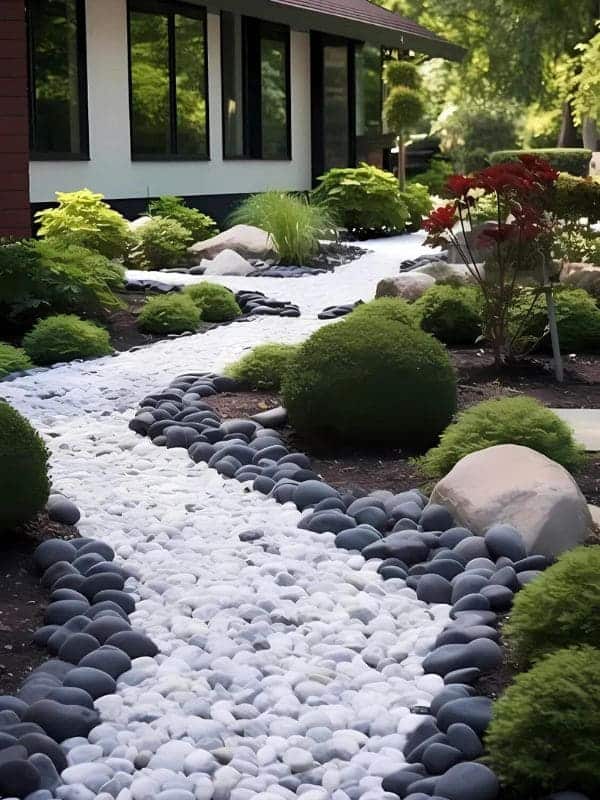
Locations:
(252, 79)
(82, 87)
(169, 8)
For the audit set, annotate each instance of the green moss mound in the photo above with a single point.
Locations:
(394, 309)
(371, 381)
(215, 303)
(264, 367)
(13, 359)
(510, 420)
(450, 313)
(578, 319)
(65, 337)
(171, 313)
(24, 484)
(546, 727)
(568, 592)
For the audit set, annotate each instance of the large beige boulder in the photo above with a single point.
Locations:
(138, 223)
(228, 262)
(582, 276)
(409, 286)
(442, 272)
(246, 240)
(517, 486)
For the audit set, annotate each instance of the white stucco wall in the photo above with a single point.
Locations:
(111, 170)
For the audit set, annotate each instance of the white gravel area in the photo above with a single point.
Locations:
(287, 667)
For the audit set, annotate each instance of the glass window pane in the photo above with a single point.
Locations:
(55, 77)
(274, 90)
(150, 102)
(336, 111)
(191, 86)
(233, 84)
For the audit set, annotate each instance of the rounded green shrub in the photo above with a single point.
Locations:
(450, 313)
(417, 200)
(545, 729)
(508, 420)
(371, 381)
(578, 319)
(13, 359)
(215, 303)
(569, 594)
(394, 309)
(169, 313)
(200, 225)
(65, 337)
(264, 367)
(161, 242)
(24, 484)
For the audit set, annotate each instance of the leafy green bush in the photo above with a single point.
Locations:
(200, 225)
(569, 594)
(564, 159)
(293, 224)
(436, 177)
(394, 309)
(546, 726)
(574, 198)
(83, 219)
(215, 303)
(508, 420)
(365, 200)
(418, 202)
(451, 313)
(161, 242)
(401, 73)
(65, 337)
(13, 359)
(24, 485)
(169, 313)
(263, 367)
(371, 381)
(485, 209)
(577, 244)
(578, 319)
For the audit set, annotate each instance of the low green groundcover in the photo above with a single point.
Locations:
(215, 303)
(263, 367)
(394, 309)
(451, 313)
(65, 337)
(170, 313)
(13, 359)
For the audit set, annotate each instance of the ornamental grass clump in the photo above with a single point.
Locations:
(264, 367)
(215, 303)
(508, 420)
(65, 337)
(451, 313)
(24, 484)
(394, 309)
(169, 313)
(545, 729)
(371, 381)
(13, 359)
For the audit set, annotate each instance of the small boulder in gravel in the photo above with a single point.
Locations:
(62, 722)
(468, 781)
(52, 551)
(62, 510)
(409, 286)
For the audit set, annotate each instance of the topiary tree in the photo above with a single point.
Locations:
(169, 313)
(264, 367)
(451, 313)
(161, 242)
(371, 381)
(508, 420)
(65, 337)
(545, 729)
(24, 484)
(215, 303)
(394, 309)
(13, 359)
(403, 108)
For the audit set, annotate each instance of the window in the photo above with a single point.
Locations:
(57, 78)
(256, 88)
(168, 78)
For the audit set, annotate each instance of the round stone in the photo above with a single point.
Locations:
(448, 568)
(500, 597)
(135, 644)
(472, 602)
(452, 536)
(470, 548)
(104, 627)
(77, 646)
(53, 550)
(10, 703)
(436, 518)
(18, 778)
(121, 598)
(476, 712)
(49, 777)
(62, 510)
(408, 547)
(467, 583)
(59, 571)
(62, 722)
(98, 548)
(330, 522)
(310, 493)
(85, 562)
(91, 680)
(70, 696)
(434, 589)
(60, 612)
(101, 582)
(108, 659)
(439, 757)
(484, 654)
(468, 781)
(504, 540)
(356, 538)
(465, 739)
(40, 743)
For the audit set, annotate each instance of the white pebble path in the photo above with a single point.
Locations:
(285, 656)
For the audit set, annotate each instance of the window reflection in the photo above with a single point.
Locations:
(274, 99)
(336, 106)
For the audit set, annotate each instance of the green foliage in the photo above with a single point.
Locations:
(452, 314)
(546, 726)
(578, 319)
(394, 309)
(577, 244)
(436, 176)
(293, 224)
(417, 200)
(587, 81)
(403, 109)
(41, 277)
(65, 337)
(82, 219)
(200, 226)
(569, 594)
(472, 132)
(574, 198)
(215, 303)
(169, 313)
(24, 484)
(509, 420)
(401, 73)
(564, 159)
(13, 359)
(264, 367)
(161, 242)
(371, 381)
(365, 200)
(485, 209)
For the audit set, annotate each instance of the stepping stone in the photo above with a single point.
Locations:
(585, 423)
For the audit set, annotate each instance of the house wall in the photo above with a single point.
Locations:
(110, 169)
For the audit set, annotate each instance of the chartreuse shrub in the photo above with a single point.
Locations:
(417, 200)
(371, 381)
(215, 303)
(365, 200)
(394, 309)
(578, 319)
(573, 198)
(564, 159)
(451, 313)
(161, 242)
(65, 337)
(24, 485)
(569, 594)
(83, 219)
(545, 729)
(508, 420)
(436, 176)
(169, 313)
(13, 359)
(264, 367)
(200, 225)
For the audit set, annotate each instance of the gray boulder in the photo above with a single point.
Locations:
(408, 286)
(246, 240)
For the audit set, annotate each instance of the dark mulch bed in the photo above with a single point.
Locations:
(23, 600)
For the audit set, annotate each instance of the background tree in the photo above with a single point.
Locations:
(403, 108)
